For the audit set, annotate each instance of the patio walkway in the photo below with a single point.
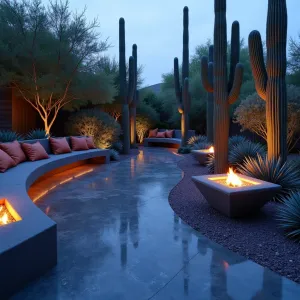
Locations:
(118, 238)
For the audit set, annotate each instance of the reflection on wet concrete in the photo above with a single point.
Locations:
(118, 238)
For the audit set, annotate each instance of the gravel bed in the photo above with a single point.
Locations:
(258, 238)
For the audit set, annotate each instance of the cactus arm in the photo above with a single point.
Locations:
(131, 81)
(205, 75)
(186, 95)
(257, 63)
(235, 52)
(134, 54)
(237, 84)
(177, 85)
(185, 52)
(122, 61)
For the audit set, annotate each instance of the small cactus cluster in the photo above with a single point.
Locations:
(270, 80)
(127, 91)
(182, 90)
(225, 92)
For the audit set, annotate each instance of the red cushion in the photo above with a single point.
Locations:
(35, 151)
(78, 143)
(6, 161)
(14, 150)
(153, 133)
(59, 145)
(161, 134)
(169, 134)
(90, 142)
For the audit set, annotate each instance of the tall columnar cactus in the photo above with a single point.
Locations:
(210, 99)
(270, 81)
(183, 95)
(126, 92)
(225, 91)
(134, 102)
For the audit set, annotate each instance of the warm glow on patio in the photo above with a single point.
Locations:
(233, 179)
(7, 213)
(211, 149)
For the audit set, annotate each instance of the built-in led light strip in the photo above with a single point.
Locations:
(60, 183)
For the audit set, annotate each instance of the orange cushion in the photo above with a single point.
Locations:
(14, 150)
(59, 145)
(169, 134)
(90, 142)
(78, 143)
(6, 161)
(153, 133)
(35, 151)
(161, 134)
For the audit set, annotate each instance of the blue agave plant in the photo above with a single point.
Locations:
(37, 134)
(9, 136)
(288, 215)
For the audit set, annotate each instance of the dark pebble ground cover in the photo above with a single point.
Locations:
(257, 238)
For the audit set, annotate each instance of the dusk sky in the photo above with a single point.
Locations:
(156, 26)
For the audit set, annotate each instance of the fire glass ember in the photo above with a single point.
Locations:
(5, 216)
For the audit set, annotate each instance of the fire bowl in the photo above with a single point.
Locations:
(235, 201)
(7, 213)
(201, 156)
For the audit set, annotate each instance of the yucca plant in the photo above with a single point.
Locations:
(9, 136)
(273, 171)
(114, 155)
(201, 145)
(239, 152)
(197, 139)
(37, 134)
(236, 140)
(288, 215)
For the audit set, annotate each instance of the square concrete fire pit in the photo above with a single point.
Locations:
(240, 201)
(202, 155)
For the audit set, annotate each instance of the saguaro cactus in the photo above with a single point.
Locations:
(225, 91)
(126, 93)
(134, 102)
(210, 99)
(182, 95)
(270, 82)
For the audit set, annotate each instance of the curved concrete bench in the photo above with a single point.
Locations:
(176, 140)
(28, 248)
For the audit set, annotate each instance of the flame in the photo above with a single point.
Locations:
(232, 179)
(211, 149)
(4, 219)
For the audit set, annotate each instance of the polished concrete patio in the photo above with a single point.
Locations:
(118, 238)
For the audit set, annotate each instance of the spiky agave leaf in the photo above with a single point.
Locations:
(211, 163)
(288, 215)
(239, 152)
(9, 136)
(201, 145)
(197, 139)
(118, 146)
(37, 134)
(273, 171)
(236, 140)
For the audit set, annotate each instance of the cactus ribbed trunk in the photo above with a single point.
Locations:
(270, 81)
(225, 92)
(183, 97)
(221, 108)
(134, 103)
(210, 100)
(123, 92)
(276, 104)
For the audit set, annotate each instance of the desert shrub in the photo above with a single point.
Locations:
(236, 140)
(273, 171)
(197, 139)
(239, 152)
(114, 155)
(201, 145)
(184, 150)
(118, 146)
(251, 115)
(9, 136)
(288, 215)
(92, 122)
(37, 134)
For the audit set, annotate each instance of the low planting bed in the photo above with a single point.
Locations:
(28, 246)
(257, 237)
